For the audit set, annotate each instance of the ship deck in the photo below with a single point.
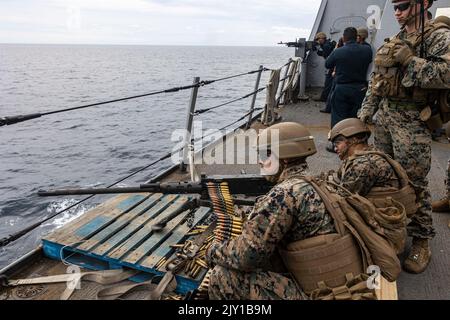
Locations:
(432, 284)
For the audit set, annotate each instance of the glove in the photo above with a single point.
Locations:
(403, 54)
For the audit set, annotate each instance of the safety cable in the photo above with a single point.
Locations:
(6, 240)
(235, 76)
(17, 235)
(21, 118)
(240, 119)
(200, 111)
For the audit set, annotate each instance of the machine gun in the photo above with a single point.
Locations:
(249, 185)
(302, 47)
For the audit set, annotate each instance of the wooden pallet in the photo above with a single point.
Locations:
(117, 234)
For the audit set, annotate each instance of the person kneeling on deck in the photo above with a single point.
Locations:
(370, 173)
(366, 171)
(290, 224)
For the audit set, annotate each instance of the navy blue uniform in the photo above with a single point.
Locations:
(351, 62)
(324, 51)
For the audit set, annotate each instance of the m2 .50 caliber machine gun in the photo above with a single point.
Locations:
(248, 185)
(302, 47)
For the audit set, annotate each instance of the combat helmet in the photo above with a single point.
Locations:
(363, 32)
(348, 128)
(443, 19)
(320, 35)
(294, 140)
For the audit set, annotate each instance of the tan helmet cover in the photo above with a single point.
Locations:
(320, 35)
(443, 19)
(287, 140)
(348, 128)
(363, 32)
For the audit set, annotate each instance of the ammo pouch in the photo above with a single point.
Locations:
(323, 259)
(356, 245)
(355, 288)
(387, 77)
(353, 212)
(385, 54)
(386, 197)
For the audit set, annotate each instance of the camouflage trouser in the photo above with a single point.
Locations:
(402, 135)
(227, 284)
(448, 179)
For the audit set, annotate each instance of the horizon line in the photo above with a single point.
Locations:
(122, 44)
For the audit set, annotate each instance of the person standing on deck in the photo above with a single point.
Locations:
(351, 63)
(324, 48)
(400, 84)
(443, 205)
(363, 34)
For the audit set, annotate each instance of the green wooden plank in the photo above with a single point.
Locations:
(140, 236)
(95, 219)
(178, 234)
(134, 225)
(119, 224)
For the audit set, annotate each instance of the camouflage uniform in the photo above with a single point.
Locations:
(359, 174)
(246, 266)
(401, 133)
(448, 180)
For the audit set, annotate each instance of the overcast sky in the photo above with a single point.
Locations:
(156, 22)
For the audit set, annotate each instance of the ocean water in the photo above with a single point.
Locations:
(100, 145)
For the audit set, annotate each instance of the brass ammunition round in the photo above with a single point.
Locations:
(202, 263)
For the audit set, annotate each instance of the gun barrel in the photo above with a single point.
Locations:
(250, 185)
(166, 188)
(74, 192)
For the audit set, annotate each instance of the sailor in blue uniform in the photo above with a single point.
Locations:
(351, 62)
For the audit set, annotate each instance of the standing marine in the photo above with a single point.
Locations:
(325, 47)
(409, 69)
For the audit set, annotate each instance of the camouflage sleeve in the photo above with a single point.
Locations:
(359, 175)
(448, 179)
(369, 106)
(433, 72)
(270, 220)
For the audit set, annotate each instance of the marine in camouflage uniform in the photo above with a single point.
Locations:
(448, 181)
(399, 130)
(249, 267)
(360, 171)
(443, 205)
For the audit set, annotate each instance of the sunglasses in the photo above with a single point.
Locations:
(402, 6)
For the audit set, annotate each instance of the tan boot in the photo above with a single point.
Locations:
(442, 205)
(419, 256)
